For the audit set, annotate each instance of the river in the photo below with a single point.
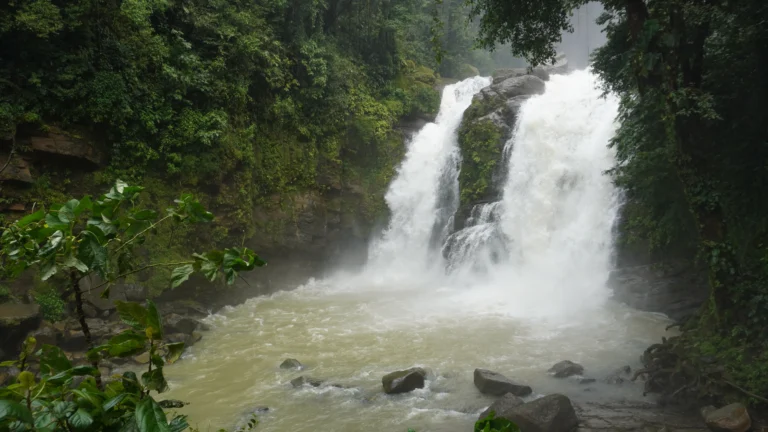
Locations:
(522, 287)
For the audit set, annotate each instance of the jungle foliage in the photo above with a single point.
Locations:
(692, 150)
(240, 99)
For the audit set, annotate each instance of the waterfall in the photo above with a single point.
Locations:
(546, 246)
(424, 194)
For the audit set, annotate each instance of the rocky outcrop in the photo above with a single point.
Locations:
(487, 126)
(17, 170)
(496, 384)
(305, 380)
(291, 364)
(674, 288)
(58, 143)
(503, 407)
(565, 369)
(16, 320)
(619, 376)
(404, 381)
(731, 418)
(553, 413)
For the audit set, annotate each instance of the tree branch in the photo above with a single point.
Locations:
(118, 277)
(10, 155)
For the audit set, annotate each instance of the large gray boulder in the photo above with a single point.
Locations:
(566, 368)
(503, 407)
(404, 381)
(496, 384)
(305, 380)
(553, 413)
(519, 86)
(731, 418)
(291, 363)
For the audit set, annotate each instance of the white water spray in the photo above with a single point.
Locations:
(545, 248)
(413, 195)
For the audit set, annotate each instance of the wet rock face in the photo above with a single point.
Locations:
(404, 381)
(290, 364)
(305, 380)
(566, 368)
(496, 384)
(503, 407)
(731, 418)
(676, 289)
(553, 413)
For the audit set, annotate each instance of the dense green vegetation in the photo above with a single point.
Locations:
(242, 103)
(99, 237)
(244, 99)
(692, 157)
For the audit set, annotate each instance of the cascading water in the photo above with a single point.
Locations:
(550, 235)
(419, 215)
(512, 295)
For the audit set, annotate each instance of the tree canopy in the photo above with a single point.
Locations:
(692, 148)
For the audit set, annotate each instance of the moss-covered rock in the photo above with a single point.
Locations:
(487, 126)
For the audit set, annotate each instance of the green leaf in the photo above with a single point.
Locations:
(72, 262)
(92, 253)
(10, 410)
(126, 344)
(80, 419)
(48, 269)
(144, 215)
(53, 360)
(53, 221)
(67, 211)
(53, 243)
(131, 383)
(174, 351)
(150, 417)
(29, 219)
(105, 228)
(85, 204)
(154, 322)
(133, 314)
(115, 401)
(155, 380)
(181, 274)
(62, 409)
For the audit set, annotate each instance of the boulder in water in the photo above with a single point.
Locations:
(566, 368)
(553, 413)
(175, 323)
(404, 381)
(305, 380)
(503, 407)
(291, 363)
(519, 86)
(618, 376)
(496, 384)
(731, 418)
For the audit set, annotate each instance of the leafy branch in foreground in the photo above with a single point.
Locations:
(97, 237)
(65, 397)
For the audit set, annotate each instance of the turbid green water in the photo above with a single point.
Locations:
(354, 337)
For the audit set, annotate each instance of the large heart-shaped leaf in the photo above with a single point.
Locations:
(150, 417)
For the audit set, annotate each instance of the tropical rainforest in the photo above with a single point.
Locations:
(241, 101)
(693, 152)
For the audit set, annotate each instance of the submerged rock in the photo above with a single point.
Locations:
(566, 368)
(305, 380)
(553, 413)
(731, 418)
(618, 376)
(404, 381)
(291, 363)
(496, 384)
(503, 407)
(172, 403)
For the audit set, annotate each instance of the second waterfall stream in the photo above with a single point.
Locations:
(522, 286)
